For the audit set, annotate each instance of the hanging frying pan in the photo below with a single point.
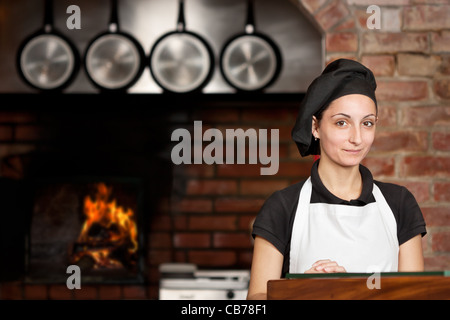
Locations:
(47, 60)
(181, 61)
(114, 60)
(250, 61)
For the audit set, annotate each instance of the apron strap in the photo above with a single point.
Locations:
(305, 198)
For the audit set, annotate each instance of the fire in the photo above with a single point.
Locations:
(109, 233)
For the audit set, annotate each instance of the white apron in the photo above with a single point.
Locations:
(360, 239)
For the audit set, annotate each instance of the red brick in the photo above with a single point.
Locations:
(36, 292)
(401, 90)
(442, 88)
(160, 222)
(441, 241)
(425, 244)
(246, 223)
(284, 133)
(440, 41)
(11, 291)
(437, 263)
(6, 133)
(384, 166)
(211, 187)
(153, 292)
(445, 66)
(222, 115)
(436, 216)
(426, 116)
(60, 292)
(212, 222)
(180, 256)
(330, 15)
(16, 117)
(341, 42)
(292, 169)
(30, 133)
(283, 150)
(312, 5)
(387, 116)
(180, 222)
(153, 274)
(245, 259)
(346, 25)
(110, 292)
(418, 166)
(159, 240)
(424, 18)
(400, 141)
(442, 191)
(192, 205)
(360, 16)
(380, 65)
(232, 240)
(424, 65)
(192, 240)
(134, 292)
(381, 42)
(213, 258)
(441, 141)
(419, 189)
(158, 256)
(262, 187)
(379, 2)
(238, 170)
(268, 116)
(238, 205)
(197, 170)
(87, 292)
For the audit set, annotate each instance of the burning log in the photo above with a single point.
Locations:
(108, 238)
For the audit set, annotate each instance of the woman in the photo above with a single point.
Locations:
(339, 219)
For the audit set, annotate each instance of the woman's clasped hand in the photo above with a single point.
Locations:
(326, 266)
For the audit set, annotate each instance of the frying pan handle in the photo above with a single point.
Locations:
(114, 20)
(181, 24)
(250, 25)
(48, 15)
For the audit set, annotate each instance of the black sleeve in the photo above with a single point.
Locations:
(410, 220)
(274, 220)
(406, 211)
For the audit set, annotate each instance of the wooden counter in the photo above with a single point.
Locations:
(392, 286)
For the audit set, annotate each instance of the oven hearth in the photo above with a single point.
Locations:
(88, 223)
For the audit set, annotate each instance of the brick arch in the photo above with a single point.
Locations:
(338, 25)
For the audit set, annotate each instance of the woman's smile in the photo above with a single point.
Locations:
(353, 152)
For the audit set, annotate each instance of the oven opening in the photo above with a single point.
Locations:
(92, 224)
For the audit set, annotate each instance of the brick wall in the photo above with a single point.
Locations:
(207, 218)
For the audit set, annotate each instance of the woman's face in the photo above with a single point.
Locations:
(347, 129)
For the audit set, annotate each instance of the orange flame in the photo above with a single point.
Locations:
(116, 223)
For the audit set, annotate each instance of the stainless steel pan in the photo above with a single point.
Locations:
(47, 60)
(181, 61)
(114, 60)
(250, 61)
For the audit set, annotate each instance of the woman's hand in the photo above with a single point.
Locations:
(326, 266)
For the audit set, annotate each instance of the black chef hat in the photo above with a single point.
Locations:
(341, 77)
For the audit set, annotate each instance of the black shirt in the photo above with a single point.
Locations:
(275, 219)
